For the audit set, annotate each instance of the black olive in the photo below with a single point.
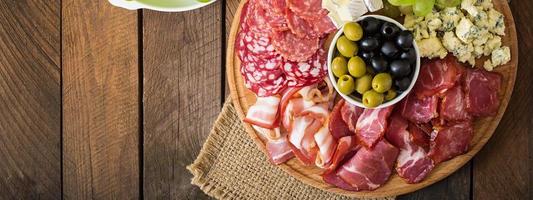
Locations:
(369, 44)
(389, 30)
(379, 64)
(405, 40)
(390, 50)
(367, 55)
(400, 68)
(409, 55)
(370, 25)
(402, 84)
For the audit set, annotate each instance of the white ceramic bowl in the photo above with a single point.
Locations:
(357, 101)
(160, 5)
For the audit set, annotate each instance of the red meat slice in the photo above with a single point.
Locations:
(419, 110)
(293, 48)
(481, 92)
(337, 127)
(300, 27)
(350, 115)
(413, 163)
(323, 25)
(436, 76)
(369, 168)
(307, 9)
(448, 142)
(453, 106)
(258, 21)
(419, 136)
(371, 125)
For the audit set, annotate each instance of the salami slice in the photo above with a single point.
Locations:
(323, 26)
(307, 9)
(257, 20)
(293, 48)
(266, 88)
(307, 72)
(259, 75)
(258, 45)
(299, 26)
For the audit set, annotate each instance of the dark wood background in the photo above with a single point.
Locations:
(98, 102)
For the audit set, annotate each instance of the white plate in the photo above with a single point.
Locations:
(160, 5)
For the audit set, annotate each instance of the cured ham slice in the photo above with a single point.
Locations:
(448, 142)
(369, 168)
(372, 124)
(413, 162)
(453, 106)
(350, 115)
(481, 92)
(346, 147)
(264, 112)
(419, 110)
(337, 126)
(419, 136)
(279, 150)
(437, 76)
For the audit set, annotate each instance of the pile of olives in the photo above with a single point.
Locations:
(374, 61)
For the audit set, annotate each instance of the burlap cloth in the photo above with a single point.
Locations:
(230, 166)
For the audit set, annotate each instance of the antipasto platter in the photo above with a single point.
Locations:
(371, 98)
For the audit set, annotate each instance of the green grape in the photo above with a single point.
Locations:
(447, 3)
(423, 7)
(402, 2)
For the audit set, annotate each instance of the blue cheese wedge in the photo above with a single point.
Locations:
(431, 48)
(465, 29)
(500, 56)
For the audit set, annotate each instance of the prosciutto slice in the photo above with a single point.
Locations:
(372, 124)
(419, 110)
(481, 92)
(350, 115)
(453, 106)
(337, 126)
(264, 112)
(437, 76)
(413, 162)
(368, 169)
(451, 141)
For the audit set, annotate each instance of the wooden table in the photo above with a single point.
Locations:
(100, 102)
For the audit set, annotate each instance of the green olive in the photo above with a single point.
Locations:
(372, 99)
(353, 31)
(363, 84)
(382, 82)
(356, 67)
(339, 67)
(390, 94)
(346, 84)
(346, 47)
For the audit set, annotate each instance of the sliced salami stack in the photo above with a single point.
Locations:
(280, 44)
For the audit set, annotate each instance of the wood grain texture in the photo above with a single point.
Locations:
(484, 128)
(30, 100)
(100, 102)
(502, 170)
(182, 95)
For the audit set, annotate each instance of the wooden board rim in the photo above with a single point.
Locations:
(442, 171)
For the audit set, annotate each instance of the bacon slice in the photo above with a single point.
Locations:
(453, 106)
(436, 76)
(372, 124)
(350, 115)
(264, 112)
(448, 142)
(413, 162)
(326, 145)
(279, 150)
(337, 125)
(306, 125)
(369, 168)
(419, 110)
(293, 108)
(481, 91)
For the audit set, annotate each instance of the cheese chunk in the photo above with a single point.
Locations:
(431, 48)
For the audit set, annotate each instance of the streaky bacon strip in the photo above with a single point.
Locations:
(294, 107)
(306, 124)
(337, 126)
(326, 145)
(369, 168)
(372, 124)
(279, 150)
(448, 142)
(264, 112)
(413, 163)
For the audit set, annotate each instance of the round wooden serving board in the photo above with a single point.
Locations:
(484, 128)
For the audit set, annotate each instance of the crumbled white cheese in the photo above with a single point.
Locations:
(431, 48)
